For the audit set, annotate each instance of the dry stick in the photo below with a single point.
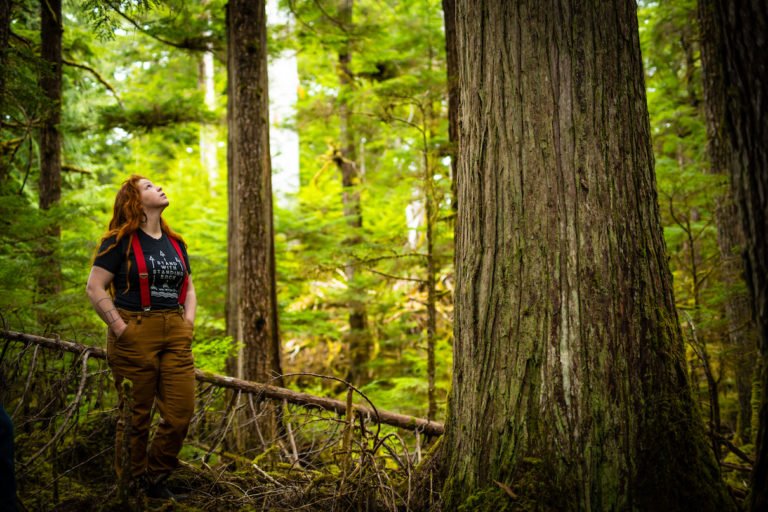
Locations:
(431, 428)
(227, 421)
(737, 467)
(392, 452)
(256, 421)
(291, 440)
(735, 449)
(71, 409)
(125, 448)
(32, 365)
(266, 475)
(361, 410)
(397, 458)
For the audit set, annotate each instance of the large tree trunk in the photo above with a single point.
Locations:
(358, 339)
(253, 297)
(569, 380)
(742, 334)
(736, 76)
(49, 280)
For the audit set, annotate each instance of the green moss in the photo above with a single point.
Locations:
(488, 500)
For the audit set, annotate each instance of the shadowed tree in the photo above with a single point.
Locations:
(741, 328)
(569, 384)
(49, 280)
(735, 78)
(5, 32)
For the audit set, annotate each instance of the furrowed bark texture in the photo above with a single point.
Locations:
(251, 192)
(738, 306)
(736, 65)
(569, 368)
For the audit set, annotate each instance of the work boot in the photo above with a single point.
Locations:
(155, 487)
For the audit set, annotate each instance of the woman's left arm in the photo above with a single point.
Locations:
(190, 303)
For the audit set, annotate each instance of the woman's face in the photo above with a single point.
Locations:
(152, 196)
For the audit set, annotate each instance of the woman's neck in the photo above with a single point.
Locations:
(152, 225)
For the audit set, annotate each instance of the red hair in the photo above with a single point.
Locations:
(127, 216)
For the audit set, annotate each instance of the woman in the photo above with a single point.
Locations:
(150, 313)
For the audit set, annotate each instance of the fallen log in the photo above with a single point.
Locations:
(431, 428)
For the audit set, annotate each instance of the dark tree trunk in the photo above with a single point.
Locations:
(5, 32)
(742, 334)
(233, 279)
(359, 341)
(569, 384)
(49, 280)
(736, 73)
(451, 57)
(252, 299)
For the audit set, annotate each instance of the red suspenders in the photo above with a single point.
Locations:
(141, 263)
(183, 291)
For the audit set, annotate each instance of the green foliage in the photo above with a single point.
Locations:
(689, 195)
(398, 117)
(134, 104)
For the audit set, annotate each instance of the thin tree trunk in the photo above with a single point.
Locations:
(208, 132)
(359, 339)
(737, 74)
(742, 334)
(49, 280)
(451, 60)
(431, 217)
(233, 246)
(5, 32)
(569, 382)
(255, 301)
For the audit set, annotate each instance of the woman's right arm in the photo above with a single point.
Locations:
(96, 289)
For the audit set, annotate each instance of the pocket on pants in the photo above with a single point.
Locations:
(124, 335)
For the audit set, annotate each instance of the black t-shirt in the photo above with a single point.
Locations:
(166, 274)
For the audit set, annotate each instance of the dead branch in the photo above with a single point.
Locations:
(403, 421)
(70, 410)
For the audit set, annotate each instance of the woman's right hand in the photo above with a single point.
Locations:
(120, 329)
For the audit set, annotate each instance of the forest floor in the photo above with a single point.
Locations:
(62, 401)
(82, 479)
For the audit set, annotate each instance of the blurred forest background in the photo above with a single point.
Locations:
(363, 261)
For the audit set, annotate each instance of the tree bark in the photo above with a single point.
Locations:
(359, 340)
(451, 58)
(49, 279)
(252, 299)
(569, 384)
(742, 334)
(736, 71)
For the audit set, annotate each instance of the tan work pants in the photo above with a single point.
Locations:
(155, 354)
